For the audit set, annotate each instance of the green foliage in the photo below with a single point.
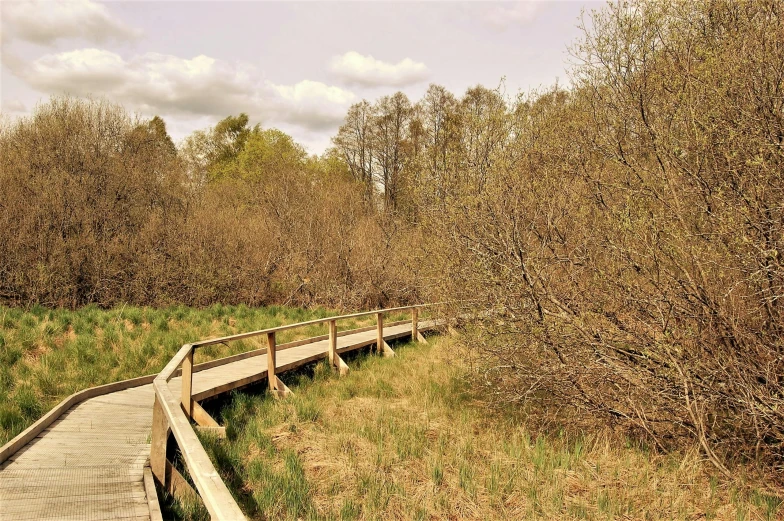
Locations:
(269, 154)
(233, 150)
(226, 142)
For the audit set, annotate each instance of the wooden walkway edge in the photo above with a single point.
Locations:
(89, 457)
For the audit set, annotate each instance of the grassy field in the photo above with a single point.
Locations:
(47, 354)
(406, 438)
(400, 438)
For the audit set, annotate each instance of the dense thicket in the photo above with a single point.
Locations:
(622, 237)
(96, 207)
(627, 237)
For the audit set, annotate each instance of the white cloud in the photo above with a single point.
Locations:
(311, 104)
(155, 83)
(76, 70)
(502, 15)
(44, 22)
(356, 68)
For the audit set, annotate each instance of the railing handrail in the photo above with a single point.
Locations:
(216, 496)
(314, 322)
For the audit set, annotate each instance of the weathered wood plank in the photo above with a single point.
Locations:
(152, 496)
(202, 417)
(32, 431)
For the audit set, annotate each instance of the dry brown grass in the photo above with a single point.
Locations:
(407, 438)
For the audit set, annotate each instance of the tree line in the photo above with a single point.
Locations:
(413, 153)
(100, 207)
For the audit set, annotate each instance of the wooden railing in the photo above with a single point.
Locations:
(172, 416)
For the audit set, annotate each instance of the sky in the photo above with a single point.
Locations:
(296, 66)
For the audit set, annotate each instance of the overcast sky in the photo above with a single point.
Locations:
(296, 66)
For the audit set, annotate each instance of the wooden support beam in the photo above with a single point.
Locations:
(178, 486)
(421, 338)
(217, 498)
(379, 333)
(187, 384)
(342, 367)
(333, 343)
(335, 361)
(158, 441)
(202, 417)
(276, 386)
(220, 432)
(281, 391)
(386, 351)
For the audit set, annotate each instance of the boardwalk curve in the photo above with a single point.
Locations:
(93, 457)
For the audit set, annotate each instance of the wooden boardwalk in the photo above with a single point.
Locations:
(90, 463)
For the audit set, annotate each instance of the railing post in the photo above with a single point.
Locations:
(414, 324)
(271, 378)
(380, 332)
(187, 384)
(158, 441)
(333, 344)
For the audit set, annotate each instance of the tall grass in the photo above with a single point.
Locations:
(47, 354)
(410, 438)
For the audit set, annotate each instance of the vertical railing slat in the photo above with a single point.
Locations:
(380, 333)
(333, 344)
(159, 439)
(271, 361)
(187, 384)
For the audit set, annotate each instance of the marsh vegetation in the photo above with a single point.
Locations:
(618, 243)
(409, 438)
